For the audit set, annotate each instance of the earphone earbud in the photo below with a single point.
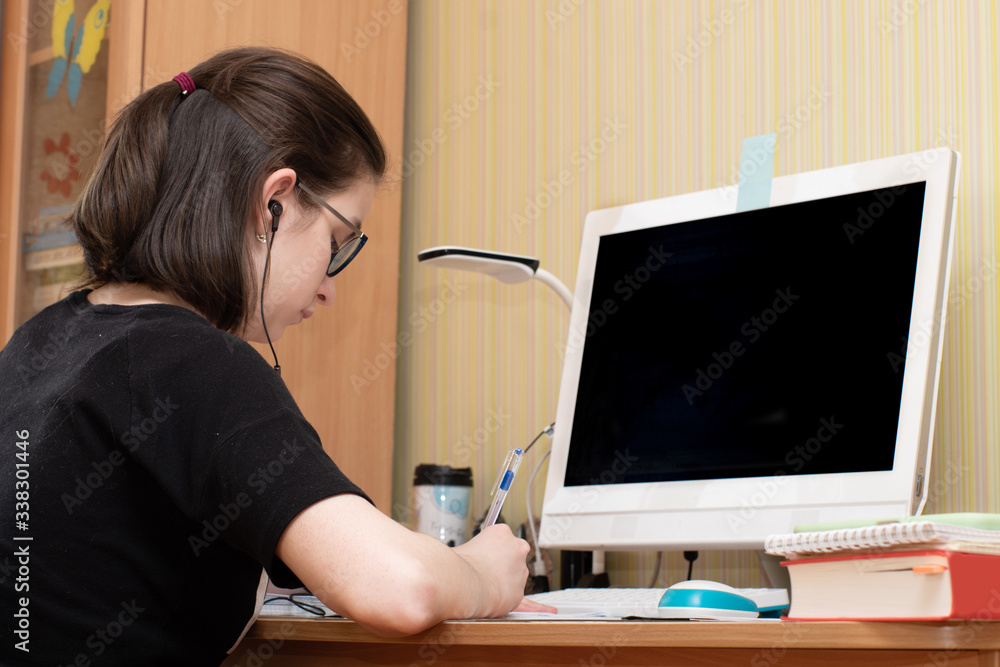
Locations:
(276, 211)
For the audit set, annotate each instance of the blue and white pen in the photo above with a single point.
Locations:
(502, 485)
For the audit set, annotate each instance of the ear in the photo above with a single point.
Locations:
(277, 187)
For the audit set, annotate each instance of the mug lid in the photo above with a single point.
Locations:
(429, 473)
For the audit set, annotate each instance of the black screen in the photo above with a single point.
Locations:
(758, 343)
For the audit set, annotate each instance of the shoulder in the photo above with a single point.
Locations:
(175, 331)
(173, 351)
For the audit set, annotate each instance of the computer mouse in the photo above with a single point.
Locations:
(705, 599)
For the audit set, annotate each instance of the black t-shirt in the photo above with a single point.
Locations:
(150, 462)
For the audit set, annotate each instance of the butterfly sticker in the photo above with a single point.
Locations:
(75, 56)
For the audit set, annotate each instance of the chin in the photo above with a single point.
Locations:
(256, 335)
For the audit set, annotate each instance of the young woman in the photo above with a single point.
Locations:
(156, 469)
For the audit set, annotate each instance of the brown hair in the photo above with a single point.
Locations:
(181, 176)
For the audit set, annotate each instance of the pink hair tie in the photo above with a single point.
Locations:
(186, 83)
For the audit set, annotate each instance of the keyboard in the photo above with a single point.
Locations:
(644, 603)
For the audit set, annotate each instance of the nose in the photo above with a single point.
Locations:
(326, 293)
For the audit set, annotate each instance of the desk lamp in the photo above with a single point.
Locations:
(510, 269)
(506, 268)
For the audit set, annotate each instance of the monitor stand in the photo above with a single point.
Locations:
(775, 576)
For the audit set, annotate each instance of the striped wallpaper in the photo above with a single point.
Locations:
(521, 116)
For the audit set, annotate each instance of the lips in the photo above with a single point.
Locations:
(306, 314)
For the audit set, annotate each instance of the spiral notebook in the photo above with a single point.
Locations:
(885, 537)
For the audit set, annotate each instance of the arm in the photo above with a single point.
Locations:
(395, 581)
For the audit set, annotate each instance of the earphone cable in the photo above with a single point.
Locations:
(267, 262)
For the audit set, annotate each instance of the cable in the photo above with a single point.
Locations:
(548, 430)
(267, 262)
(690, 557)
(656, 569)
(539, 563)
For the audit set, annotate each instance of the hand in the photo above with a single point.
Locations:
(498, 560)
(530, 605)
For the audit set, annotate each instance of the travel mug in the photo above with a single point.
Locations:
(441, 502)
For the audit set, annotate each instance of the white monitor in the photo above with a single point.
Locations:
(730, 375)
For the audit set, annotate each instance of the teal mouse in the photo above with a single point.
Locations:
(700, 599)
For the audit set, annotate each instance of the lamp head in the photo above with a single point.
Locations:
(503, 266)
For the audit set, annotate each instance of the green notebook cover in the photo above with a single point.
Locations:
(980, 520)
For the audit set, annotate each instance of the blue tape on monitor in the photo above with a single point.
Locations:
(756, 172)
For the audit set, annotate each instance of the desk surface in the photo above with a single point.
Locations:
(306, 643)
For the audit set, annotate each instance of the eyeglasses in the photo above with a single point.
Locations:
(341, 255)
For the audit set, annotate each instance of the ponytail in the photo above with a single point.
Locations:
(118, 200)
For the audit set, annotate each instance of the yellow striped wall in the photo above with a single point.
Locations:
(625, 101)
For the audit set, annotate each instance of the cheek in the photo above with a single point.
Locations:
(302, 276)
(298, 268)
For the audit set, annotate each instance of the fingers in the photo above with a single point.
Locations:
(500, 558)
(530, 605)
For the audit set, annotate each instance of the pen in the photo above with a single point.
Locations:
(502, 485)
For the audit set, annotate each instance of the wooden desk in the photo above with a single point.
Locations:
(309, 643)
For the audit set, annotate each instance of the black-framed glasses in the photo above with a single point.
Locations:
(342, 255)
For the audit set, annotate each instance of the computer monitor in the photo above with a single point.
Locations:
(729, 375)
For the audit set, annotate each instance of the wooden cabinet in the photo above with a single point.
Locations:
(58, 89)
(362, 43)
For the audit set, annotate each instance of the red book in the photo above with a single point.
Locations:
(896, 585)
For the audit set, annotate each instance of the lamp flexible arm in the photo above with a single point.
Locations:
(557, 285)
